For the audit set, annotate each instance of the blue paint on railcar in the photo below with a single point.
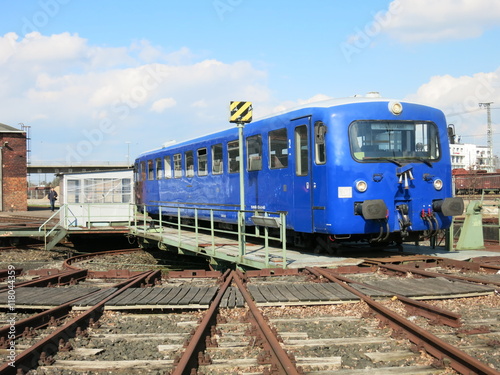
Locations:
(360, 168)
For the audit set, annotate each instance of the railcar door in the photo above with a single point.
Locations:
(302, 190)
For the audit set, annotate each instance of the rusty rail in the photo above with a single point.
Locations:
(459, 360)
(5, 273)
(435, 314)
(193, 356)
(280, 360)
(78, 258)
(190, 358)
(406, 269)
(62, 278)
(45, 348)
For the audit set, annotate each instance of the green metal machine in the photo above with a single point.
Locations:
(471, 236)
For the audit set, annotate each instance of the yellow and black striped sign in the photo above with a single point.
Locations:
(240, 112)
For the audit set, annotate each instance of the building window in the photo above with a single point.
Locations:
(73, 191)
(104, 190)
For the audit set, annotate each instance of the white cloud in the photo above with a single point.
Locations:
(68, 91)
(459, 98)
(160, 105)
(430, 21)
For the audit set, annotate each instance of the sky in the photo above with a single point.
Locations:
(106, 81)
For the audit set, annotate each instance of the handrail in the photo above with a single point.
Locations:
(44, 225)
(197, 214)
(50, 218)
(74, 216)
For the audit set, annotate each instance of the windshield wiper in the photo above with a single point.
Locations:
(382, 158)
(392, 161)
(427, 162)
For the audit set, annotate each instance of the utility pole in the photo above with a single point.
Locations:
(489, 133)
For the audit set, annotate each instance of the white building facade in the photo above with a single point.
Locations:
(471, 157)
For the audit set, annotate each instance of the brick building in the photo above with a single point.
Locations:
(13, 193)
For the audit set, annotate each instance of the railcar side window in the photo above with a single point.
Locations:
(159, 171)
(278, 149)
(150, 170)
(254, 152)
(202, 162)
(188, 157)
(167, 167)
(217, 164)
(233, 157)
(301, 151)
(319, 142)
(136, 172)
(394, 141)
(143, 171)
(177, 166)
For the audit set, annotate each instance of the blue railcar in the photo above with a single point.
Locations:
(361, 168)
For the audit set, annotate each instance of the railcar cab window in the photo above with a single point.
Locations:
(394, 141)
(217, 162)
(177, 166)
(319, 142)
(278, 149)
(233, 156)
(167, 165)
(188, 157)
(254, 151)
(202, 162)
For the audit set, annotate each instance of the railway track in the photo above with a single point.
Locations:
(270, 322)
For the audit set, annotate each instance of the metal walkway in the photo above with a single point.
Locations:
(220, 248)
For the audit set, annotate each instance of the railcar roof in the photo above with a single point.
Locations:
(319, 104)
(337, 102)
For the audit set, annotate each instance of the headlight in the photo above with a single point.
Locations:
(438, 184)
(396, 108)
(361, 186)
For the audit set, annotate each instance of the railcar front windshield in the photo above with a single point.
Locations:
(394, 141)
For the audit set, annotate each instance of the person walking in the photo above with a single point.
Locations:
(52, 198)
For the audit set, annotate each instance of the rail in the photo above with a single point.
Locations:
(42, 351)
(268, 227)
